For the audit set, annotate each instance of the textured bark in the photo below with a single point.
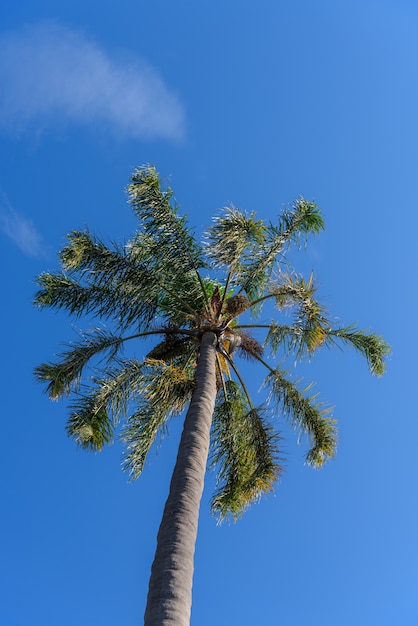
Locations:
(170, 588)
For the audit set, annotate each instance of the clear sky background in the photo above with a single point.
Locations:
(243, 102)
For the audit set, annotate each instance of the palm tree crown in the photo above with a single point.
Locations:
(203, 303)
(159, 284)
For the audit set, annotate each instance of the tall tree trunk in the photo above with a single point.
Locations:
(170, 588)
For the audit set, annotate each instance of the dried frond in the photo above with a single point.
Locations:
(236, 305)
(171, 348)
(250, 348)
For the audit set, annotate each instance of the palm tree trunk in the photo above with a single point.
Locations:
(170, 588)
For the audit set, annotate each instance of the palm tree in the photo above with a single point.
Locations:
(158, 285)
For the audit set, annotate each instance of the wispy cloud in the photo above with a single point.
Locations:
(51, 74)
(20, 229)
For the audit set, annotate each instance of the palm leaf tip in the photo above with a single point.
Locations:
(58, 383)
(377, 352)
(78, 252)
(373, 347)
(307, 416)
(308, 216)
(236, 497)
(324, 436)
(89, 424)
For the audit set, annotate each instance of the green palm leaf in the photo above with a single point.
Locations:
(64, 376)
(165, 391)
(89, 423)
(294, 225)
(244, 450)
(306, 415)
(231, 235)
(373, 347)
(174, 244)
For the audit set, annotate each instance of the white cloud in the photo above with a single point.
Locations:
(50, 74)
(20, 230)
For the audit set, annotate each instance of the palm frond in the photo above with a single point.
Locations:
(231, 234)
(302, 219)
(297, 340)
(294, 224)
(306, 415)
(166, 389)
(373, 347)
(61, 292)
(290, 289)
(64, 376)
(310, 327)
(97, 411)
(122, 271)
(139, 435)
(89, 423)
(185, 299)
(167, 384)
(174, 242)
(120, 386)
(244, 450)
(123, 301)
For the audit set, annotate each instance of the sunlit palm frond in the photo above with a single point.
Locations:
(306, 415)
(231, 234)
(174, 242)
(310, 326)
(298, 340)
(167, 384)
(245, 452)
(373, 347)
(295, 223)
(289, 289)
(166, 389)
(302, 219)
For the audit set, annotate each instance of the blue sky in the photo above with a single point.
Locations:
(239, 103)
